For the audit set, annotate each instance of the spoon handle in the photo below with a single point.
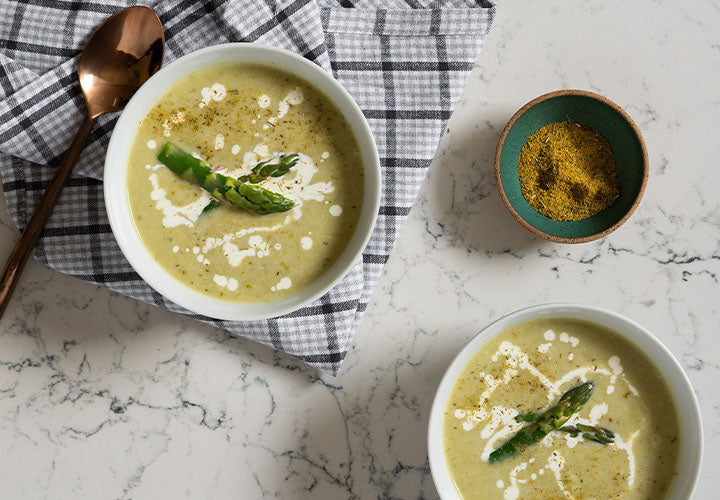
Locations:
(23, 248)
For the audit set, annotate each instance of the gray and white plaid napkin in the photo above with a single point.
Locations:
(404, 61)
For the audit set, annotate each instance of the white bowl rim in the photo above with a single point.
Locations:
(691, 449)
(117, 205)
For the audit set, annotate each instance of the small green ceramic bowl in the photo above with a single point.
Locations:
(594, 111)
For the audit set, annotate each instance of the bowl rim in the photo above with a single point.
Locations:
(117, 205)
(623, 114)
(692, 431)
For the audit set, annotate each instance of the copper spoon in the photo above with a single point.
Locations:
(119, 57)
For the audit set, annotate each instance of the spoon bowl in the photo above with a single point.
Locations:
(119, 57)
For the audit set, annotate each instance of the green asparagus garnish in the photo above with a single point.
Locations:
(592, 433)
(570, 403)
(222, 188)
(210, 207)
(266, 169)
(526, 417)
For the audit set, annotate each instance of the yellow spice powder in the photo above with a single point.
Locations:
(567, 172)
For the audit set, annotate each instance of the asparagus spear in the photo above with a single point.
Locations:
(265, 169)
(527, 417)
(210, 207)
(552, 419)
(222, 188)
(592, 433)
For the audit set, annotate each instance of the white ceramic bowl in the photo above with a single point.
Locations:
(118, 206)
(691, 438)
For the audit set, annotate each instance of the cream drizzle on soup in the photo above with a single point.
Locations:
(233, 116)
(525, 370)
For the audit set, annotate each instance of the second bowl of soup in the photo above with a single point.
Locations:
(234, 114)
(564, 401)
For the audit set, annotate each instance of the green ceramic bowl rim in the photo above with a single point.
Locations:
(603, 100)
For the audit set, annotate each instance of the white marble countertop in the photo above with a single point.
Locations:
(102, 397)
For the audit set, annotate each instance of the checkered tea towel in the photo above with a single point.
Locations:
(404, 61)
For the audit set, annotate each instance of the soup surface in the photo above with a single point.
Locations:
(526, 369)
(233, 116)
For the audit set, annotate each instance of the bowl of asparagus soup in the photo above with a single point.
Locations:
(569, 402)
(242, 182)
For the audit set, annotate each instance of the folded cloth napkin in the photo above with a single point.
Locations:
(404, 61)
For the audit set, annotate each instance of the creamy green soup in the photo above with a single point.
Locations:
(233, 116)
(526, 369)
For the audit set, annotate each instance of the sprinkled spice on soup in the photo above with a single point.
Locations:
(293, 166)
(561, 408)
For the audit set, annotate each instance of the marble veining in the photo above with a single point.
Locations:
(103, 397)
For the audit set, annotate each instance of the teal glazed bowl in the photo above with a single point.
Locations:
(594, 111)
